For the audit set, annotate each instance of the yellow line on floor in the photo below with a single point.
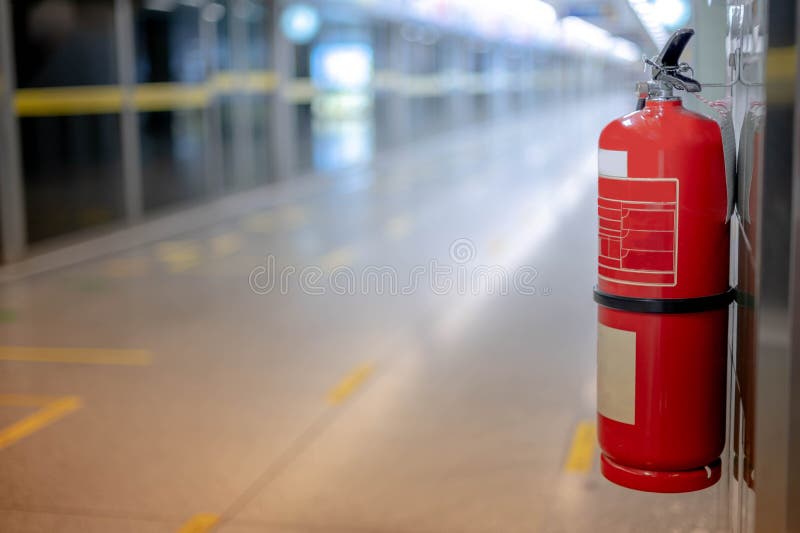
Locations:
(48, 414)
(226, 244)
(126, 267)
(199, 523)
(293, 216)
(341, 257)
(80, 356)
(259, 223)
(399, 226)
(350, 383)
(25, 400)
(581, 451)
(179, 256)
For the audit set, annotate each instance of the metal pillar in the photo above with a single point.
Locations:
(12, 194)
(708, 54)
(242, 165)
(398, 105)
(284, 119)
(500, 94)
(777, 366)
(212, 116)
(457, 67)
(129, 120)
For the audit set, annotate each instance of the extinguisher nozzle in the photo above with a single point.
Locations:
(667, 70)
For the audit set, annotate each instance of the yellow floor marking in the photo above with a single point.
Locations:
(259, 223)
(126, 267)
(226, 244)
(81, 356)
(340, 257)
(293, 216)
(581, 452)
(51, 411)
(25, 400)
(200, 523)
(179, 256)
(399, 227)
(350, 383)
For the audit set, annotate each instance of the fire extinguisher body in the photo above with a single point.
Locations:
(663, 272)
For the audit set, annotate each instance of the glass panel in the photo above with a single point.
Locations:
(341, 68)
(244, 105)
(481, 66)
(173, 104)
(426, 105)
(383, 98)
(260, 50)
(70, 144)
(302, 109)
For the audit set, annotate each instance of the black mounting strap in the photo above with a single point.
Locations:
(665, 305)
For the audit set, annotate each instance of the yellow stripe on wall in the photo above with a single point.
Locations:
(149, 97)
(101, 99)
(54, 101)
(781, 74)
(169, 96)
(781, 63)
(262, 81)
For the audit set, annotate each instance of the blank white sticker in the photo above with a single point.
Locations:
(612, 163)
(616, 374)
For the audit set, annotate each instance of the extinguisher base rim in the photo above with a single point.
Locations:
(661, 481)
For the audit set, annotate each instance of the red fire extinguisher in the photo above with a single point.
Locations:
(663, 290)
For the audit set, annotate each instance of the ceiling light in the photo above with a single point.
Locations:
(672, 13)
(651, 20)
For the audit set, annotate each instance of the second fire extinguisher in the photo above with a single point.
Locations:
(662, 290)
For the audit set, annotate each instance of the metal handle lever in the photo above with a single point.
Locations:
(679, 81)
(666, 68)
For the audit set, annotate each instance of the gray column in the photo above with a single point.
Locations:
(500, 94)
(707, 54)
(12, 195)
(534, 92)
(129, 120)
(243, 123)
(208, 18)
(284, 120)
(777, 294)
(457, 66)
(398, 104)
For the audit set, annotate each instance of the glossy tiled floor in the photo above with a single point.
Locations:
(419, 392)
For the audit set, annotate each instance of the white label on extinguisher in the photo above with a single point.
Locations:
(616, 374)
(612, 163)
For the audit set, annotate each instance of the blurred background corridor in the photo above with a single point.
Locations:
(325, 266)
